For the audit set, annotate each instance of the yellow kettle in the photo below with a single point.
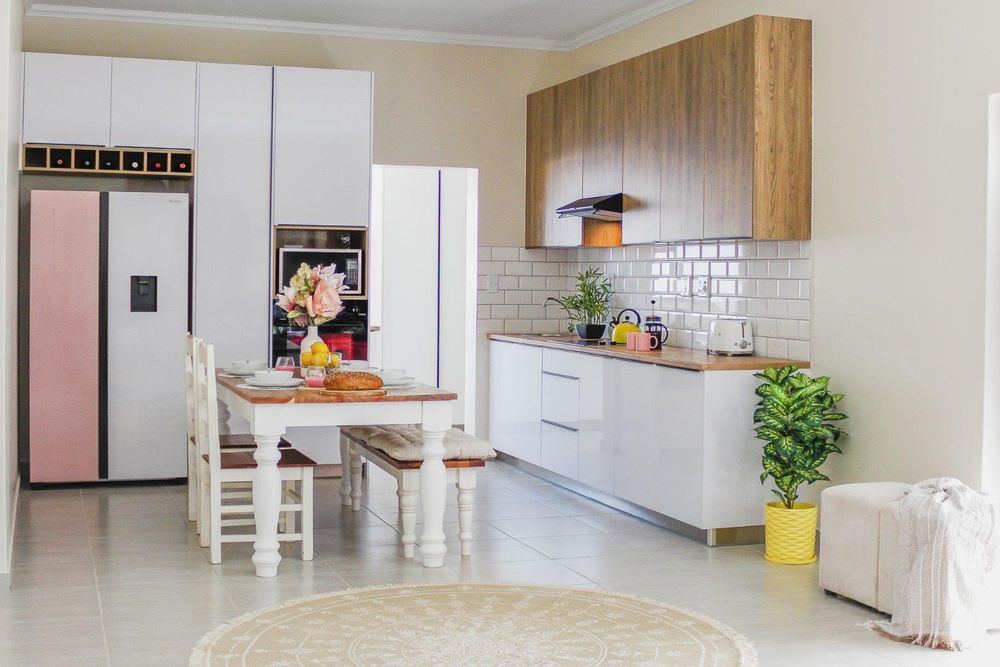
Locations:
(622, 326)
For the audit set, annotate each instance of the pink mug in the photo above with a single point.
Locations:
(641, 342)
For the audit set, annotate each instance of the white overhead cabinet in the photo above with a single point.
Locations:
(232, 210)
(67, 99)
(322, 147)
(153, 103)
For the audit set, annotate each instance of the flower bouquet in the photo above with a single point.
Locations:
(312, 298)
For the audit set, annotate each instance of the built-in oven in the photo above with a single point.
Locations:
(349, 261)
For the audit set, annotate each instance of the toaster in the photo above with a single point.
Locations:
(730, 336)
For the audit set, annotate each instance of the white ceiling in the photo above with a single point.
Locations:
(558, 25)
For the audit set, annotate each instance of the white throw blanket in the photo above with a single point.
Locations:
(948, 547)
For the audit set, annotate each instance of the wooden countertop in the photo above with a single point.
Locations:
(301, 395)
(674, 357)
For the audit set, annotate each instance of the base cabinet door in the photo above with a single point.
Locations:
(516, 400)
(636, 474)
(679, 445)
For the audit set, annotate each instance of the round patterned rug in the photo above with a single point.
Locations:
(473, 624)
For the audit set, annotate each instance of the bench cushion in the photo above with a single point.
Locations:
(404, 443)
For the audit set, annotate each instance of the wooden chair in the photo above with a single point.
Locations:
(228, 442)
(397, 450)
(219, 469)
(190, 387)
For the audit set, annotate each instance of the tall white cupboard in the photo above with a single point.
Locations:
(322, 146)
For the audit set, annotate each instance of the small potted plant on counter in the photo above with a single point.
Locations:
(588, 309)
(794, 419)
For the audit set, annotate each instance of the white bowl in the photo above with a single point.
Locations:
(248, 365)
(266, 375)
(354, 364)
(393, 373)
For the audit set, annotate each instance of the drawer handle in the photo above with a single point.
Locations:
(560, 375)
(562, 426)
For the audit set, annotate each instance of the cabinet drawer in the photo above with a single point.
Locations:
(560, 400)
(561, 450)
(562, 363)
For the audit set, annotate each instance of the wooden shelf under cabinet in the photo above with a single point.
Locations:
(91, 160)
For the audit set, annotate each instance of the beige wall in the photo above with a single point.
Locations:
(10, 121)
(899, 181)
(437, 105)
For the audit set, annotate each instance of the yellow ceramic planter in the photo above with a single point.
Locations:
(790, 534)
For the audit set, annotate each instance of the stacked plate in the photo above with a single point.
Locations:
(396, 378)
(273, 380)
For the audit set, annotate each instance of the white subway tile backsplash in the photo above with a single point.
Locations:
(506, 254)
(531, 282)
(767, 288)
(767, 281)
(531, 254)
(503, 312)
(517, 326)
(767, 250)
(517, 268)
(800, 268)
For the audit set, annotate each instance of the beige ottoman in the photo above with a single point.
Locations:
(855, 521)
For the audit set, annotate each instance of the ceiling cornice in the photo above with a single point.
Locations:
(334, 30)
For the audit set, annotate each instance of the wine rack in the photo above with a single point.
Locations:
(39, 158)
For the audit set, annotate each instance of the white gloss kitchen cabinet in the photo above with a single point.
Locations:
(675, 441)
(70, 99)
(516, 400)
(153, 103)
(67, 99)
(232, 210)
(322, 147)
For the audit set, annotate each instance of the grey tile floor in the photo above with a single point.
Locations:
(115, 576)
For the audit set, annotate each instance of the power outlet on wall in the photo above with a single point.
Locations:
(702, 286)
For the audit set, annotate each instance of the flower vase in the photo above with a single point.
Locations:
(312, 336)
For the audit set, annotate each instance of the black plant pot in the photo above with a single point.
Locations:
(590, 331)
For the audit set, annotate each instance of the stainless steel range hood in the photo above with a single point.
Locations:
(605, 207)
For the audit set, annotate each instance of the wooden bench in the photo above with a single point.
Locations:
(370, 443)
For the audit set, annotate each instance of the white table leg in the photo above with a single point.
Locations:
(434, 482)
(266, 504)
(345, 472)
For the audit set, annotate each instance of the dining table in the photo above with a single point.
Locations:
(272, 411)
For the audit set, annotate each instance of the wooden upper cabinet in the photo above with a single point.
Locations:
(603, 99)
(711, 138)
(757, 101)
(727, 102)
(682, 173)
(554, 165)
(643, 149)
(782, 128)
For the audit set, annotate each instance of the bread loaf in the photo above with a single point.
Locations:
(352, 381)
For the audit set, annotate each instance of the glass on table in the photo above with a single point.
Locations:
(285, 364)
(314, 376)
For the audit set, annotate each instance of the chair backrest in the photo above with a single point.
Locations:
(208, 407)
(190, 387)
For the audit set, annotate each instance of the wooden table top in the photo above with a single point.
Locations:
(300, 395)
(674, 357)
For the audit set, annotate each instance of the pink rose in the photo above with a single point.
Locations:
(326, 301)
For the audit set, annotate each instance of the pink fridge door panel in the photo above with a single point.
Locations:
(63, 329)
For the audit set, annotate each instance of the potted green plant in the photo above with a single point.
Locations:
(587, 309)
(795, 419)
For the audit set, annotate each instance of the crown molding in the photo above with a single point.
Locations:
(33, 8)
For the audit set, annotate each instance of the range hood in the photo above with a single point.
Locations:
(605, 207)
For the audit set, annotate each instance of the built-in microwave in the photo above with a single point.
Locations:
(348, 261)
